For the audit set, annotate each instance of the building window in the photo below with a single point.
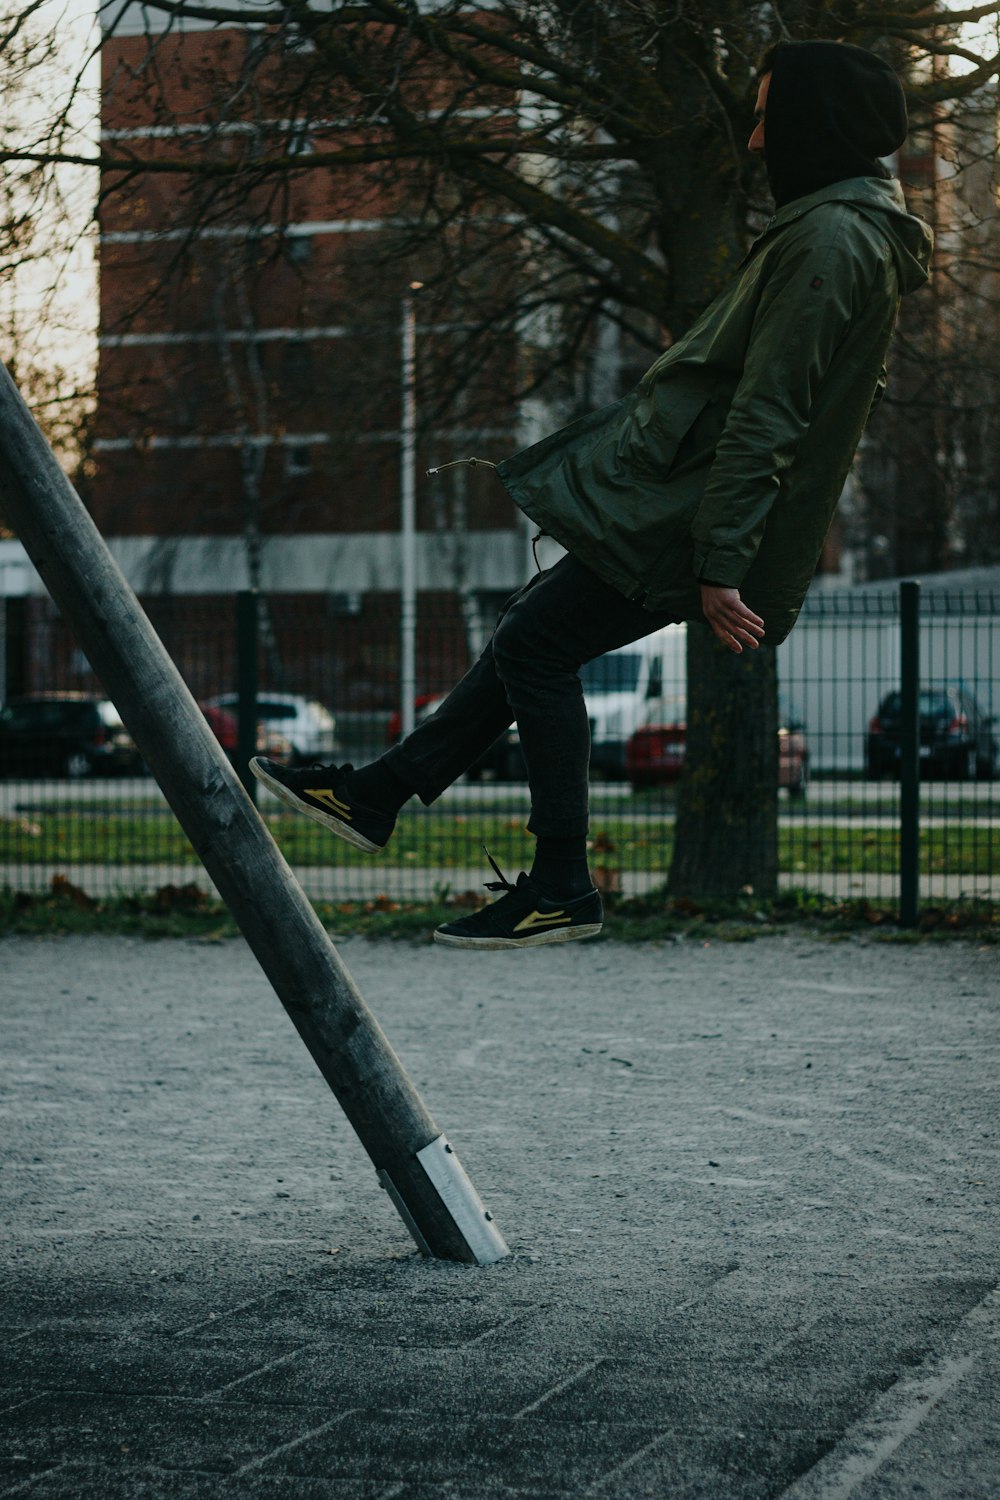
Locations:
(298, 460)
(298, 249)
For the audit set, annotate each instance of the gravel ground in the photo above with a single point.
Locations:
(749, 1189)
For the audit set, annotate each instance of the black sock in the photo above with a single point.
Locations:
(378, 787)
(560, 867)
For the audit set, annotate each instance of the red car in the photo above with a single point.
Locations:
(655, 754)
(225, 727)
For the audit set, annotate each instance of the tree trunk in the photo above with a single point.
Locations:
(727, 812)
(726, 836)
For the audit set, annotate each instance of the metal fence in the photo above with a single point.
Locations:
(896, 800)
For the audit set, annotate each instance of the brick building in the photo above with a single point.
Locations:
(248, 426)
(927, 499)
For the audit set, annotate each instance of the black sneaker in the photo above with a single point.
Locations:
(524, 918)
(321, 793)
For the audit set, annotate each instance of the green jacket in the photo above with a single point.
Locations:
(726, 462)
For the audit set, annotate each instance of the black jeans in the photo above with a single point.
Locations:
(529, 671)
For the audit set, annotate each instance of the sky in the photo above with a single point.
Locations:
(53, 302)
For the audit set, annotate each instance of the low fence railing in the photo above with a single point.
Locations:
(888, 767)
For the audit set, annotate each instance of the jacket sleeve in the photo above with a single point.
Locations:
(804, 312)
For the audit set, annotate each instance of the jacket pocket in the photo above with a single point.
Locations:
(655, 428)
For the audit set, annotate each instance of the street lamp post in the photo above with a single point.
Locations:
(408, 514)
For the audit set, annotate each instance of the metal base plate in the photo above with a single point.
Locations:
(460, 1198)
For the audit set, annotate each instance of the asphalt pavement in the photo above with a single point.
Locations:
(750, 1192)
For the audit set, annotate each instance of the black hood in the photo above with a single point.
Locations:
(832, 110)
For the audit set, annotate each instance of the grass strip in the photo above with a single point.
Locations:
(450, 840)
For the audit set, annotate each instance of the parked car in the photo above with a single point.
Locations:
(503, 761)
(307, 725)
(64, 734)
(957, 737)
(655, 753)
(394, 724)
(623, 690)
(225, 726)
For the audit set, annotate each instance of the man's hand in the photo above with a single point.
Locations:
(734, 624)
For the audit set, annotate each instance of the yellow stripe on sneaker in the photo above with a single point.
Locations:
(542, 919)
(324, 795)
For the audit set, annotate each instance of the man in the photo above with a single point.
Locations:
(705, 492)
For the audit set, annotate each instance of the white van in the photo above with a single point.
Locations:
(624, 690)
(629, 688)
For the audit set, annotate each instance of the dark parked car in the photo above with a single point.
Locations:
(64, 734)
(656, 753)
(503, 760)
(956, 736)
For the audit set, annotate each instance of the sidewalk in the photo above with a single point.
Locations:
(750, 1192)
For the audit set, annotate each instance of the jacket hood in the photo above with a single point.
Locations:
(881, 201)
(833, 110)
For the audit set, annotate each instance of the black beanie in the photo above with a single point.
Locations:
(832, 110)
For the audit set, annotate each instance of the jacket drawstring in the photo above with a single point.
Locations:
(456, 462)
(474, 463)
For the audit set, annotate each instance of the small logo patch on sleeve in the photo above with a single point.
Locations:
(816, 283)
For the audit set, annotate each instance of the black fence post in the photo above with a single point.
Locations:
(909, 752)
(247, 644)
(14, 676)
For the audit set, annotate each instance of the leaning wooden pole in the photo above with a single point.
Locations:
(413, 1160)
